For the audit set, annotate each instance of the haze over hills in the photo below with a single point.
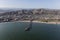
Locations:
(7, 10)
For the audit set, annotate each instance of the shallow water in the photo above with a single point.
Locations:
(39, 31)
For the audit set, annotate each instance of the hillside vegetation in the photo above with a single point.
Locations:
(45, 15)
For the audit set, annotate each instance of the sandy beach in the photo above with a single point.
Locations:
(40, 22)
(34, 22)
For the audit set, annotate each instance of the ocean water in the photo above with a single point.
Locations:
(39, 31)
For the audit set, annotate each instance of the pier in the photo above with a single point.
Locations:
(30, 26)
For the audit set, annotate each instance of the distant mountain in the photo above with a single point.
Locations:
(2, 10)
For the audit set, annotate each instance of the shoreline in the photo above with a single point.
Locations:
(41, 22)
(34, 22)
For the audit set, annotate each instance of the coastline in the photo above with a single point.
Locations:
(34, 22)
(41, 22)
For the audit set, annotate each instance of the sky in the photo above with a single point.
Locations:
(51, 4)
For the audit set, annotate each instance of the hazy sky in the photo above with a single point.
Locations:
(55, 4)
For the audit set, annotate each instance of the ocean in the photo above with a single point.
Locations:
(39, 31)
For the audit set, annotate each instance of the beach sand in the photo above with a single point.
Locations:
(35, 22)
(41, 22)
